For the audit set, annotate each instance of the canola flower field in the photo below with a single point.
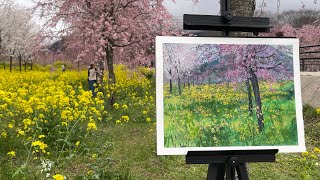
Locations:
(47, 118)
(212, 115)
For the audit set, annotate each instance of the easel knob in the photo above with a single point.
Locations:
(228, 16)
(233, 161)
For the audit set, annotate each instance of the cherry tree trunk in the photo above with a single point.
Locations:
(31, 65)
(25, 66)
(10, 63)
(250, 106)
(111, 75)
(243, 7)
(170, 82)
(20, 63)
(256, 92)
(101, 70)
(247, 8)
(179, 85)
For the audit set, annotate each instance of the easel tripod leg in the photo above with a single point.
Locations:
(242, 172)
(216, 172)
(230, 173)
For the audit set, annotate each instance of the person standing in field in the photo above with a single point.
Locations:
(63, 68)
(92, 78)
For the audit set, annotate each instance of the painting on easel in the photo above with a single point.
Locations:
(228, 94)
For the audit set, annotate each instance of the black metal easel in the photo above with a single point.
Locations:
(226, 164)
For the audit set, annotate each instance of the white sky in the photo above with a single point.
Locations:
(181, 7)
(212, 6)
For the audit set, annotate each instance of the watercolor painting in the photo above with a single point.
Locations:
(228, 93)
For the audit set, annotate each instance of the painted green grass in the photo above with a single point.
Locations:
(217, 115)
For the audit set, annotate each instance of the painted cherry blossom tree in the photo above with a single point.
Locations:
(249, 63)
(179, 60)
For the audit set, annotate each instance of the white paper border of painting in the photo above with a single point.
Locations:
(160, 40)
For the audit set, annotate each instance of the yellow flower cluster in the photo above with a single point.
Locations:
(312, 154)
(39, 108)
(91, 126)
(58, 177)
(41, 145)
(35, 100)
(125, 118)
(11, 153)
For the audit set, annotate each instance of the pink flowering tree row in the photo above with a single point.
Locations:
(108, 31)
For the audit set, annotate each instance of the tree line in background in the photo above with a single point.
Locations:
(17, 32)
(296, 18)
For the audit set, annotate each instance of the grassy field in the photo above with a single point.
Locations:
(128, 151)
(134, 155)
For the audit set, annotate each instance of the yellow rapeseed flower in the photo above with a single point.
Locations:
(28, 110)
(40, 144)
(124, 106)
(148, 120)
(94, 156)
(116, 105)
(4, 134)
(10, 126)
(125, 118)
(91, 126)
(305, 153)
(316, 150)
(41, 136)
(77, 143)
(118, 121)
(41, 116)
(20, 133)
(314, 156)
(100, 94)
(58, 177)
(11, 153)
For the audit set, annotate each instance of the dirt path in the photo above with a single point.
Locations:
(310, 88)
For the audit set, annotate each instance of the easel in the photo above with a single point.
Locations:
(227, 163)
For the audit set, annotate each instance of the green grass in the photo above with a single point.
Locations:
(133, 156)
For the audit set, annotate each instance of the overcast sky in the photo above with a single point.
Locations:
(212, 6)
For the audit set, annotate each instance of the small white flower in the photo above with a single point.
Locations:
(48, 175)
(317, 164)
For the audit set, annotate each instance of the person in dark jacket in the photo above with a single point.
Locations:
(92, 78)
